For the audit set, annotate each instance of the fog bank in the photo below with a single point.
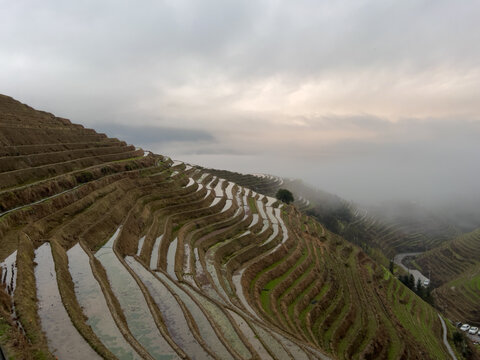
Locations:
(372, 100)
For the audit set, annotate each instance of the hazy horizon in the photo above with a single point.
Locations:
(371, 100)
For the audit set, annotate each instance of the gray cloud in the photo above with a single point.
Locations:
(432, 161)
(369, 99)
(152, 135)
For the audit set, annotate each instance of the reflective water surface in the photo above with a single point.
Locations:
(63, 339)
(90, 297)
(172, 313)
(134, 305)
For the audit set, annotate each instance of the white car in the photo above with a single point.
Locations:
(473, 330)
(465, 327)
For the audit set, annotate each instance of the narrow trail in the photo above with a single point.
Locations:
(445, 341)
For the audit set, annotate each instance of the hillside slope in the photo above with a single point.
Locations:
(455, 270)
(112, 252)
(383, 232)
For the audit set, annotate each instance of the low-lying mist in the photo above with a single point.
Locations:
(433, 164)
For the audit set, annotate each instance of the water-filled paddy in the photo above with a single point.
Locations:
(223, 323)
(90, 297)
(205, 328)
(250, 335)
(9, 272)
(63, 338)
(172, 250)
(172, 313)
(154, 257)
(133, 303)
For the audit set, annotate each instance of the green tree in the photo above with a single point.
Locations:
(411, 282)
(419, 289)
(428, 297)
(457, 337)
(284, 195)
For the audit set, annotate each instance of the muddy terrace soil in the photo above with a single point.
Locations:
(118, 253)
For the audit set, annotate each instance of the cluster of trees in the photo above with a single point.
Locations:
(462, 344)
(424, 292)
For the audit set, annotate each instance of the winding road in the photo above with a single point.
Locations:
(445, 341)
(398, 259)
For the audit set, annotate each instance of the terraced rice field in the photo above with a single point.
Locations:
(455, 270)
(453, 258)
(112, 252)
(460, 297)
(400, 237)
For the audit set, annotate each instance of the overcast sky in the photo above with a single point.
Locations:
(372, 100)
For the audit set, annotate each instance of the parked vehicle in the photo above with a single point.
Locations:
(473, 330)
(465, 327)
